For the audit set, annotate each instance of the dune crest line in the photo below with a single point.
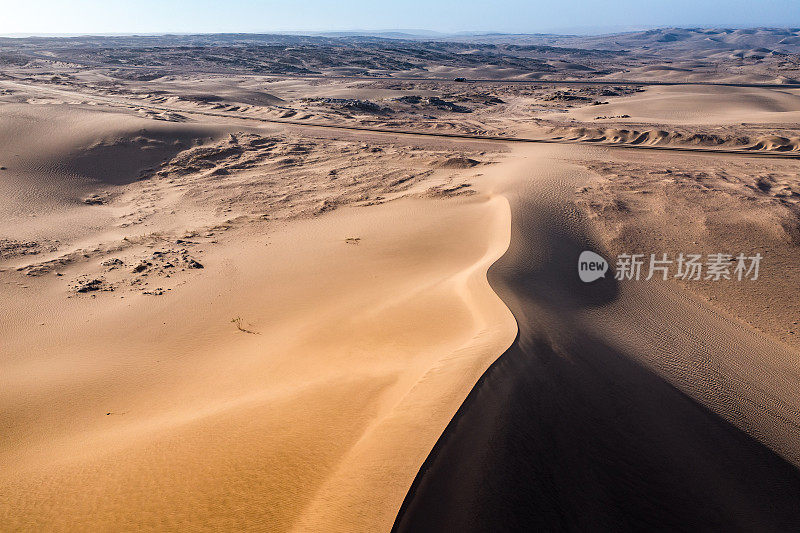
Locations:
(572, 430)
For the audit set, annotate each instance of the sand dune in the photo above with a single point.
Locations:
(575, 425)
(123, 418)
(702, 105)
(57, 157)
(191, 386)
(655, 137)
(130, 399)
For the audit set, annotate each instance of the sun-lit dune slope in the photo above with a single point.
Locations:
(209, 330)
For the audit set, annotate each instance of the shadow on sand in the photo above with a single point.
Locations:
(565, 433)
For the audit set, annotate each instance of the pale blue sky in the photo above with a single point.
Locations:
(525, 16)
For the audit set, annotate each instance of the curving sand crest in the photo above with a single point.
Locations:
(619, 406)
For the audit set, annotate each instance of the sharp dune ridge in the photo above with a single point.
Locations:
(580, 430)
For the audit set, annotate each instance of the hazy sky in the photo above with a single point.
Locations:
(529, 16)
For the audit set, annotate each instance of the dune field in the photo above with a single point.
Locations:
(290, 283)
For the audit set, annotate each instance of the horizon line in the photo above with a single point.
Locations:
(418, 32)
